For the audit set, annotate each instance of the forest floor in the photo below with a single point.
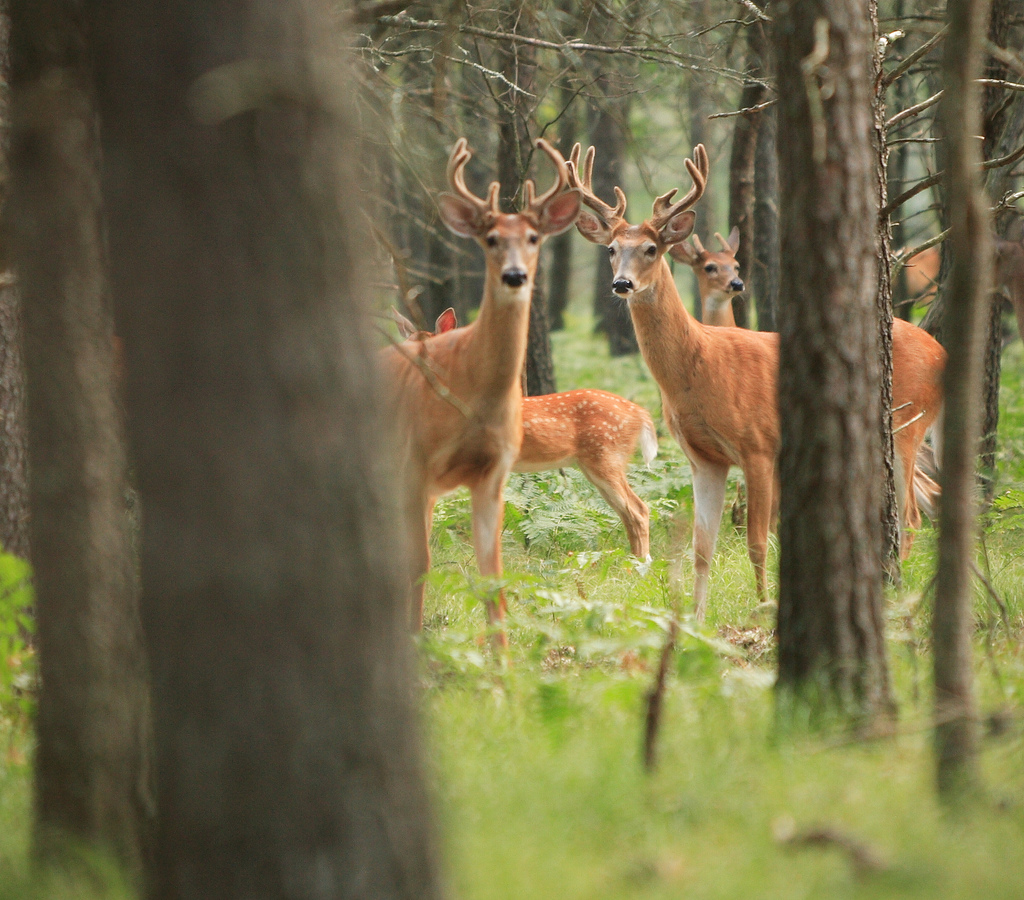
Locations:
(536, 770)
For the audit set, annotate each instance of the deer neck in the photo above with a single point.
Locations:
(669, 337)
(497, 349)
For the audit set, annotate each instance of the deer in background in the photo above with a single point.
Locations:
(718, 276)
(594, 430)
(458, 395)
(719, 385)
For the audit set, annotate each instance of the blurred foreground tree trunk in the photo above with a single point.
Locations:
(964, 329)
(286, 748)
(831, 628)
(91, 766)
(14, 509)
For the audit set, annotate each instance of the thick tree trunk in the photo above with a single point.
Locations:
(608, 135)
(92, 726)
(14, 510)
(964, 327)
(883, 306)
(831, 637)
(741, 165)
(286, 762)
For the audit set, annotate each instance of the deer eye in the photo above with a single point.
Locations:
(492, 240)
(710, 267)
(651, 250)
(533, 238)
(611, 251)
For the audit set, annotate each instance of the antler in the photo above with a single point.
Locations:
(532, 203)
(610, 215)
(664, 209)
(697, 245)
(461, 155)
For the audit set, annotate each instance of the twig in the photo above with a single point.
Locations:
(745, 111)
(913, 58)
(864, 858)
(911, 111)
(1000, 603)
(896, 431)
(656, 696)
(757, 11)
(423, 364)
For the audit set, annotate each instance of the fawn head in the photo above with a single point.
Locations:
(511, 241)
(636, 250)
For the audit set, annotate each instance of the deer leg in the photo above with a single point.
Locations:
(760, 478)
(488, 510)
(905, 463)
(708, 505)
(631, 509)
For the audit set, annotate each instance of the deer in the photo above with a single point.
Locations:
(922, 272)
(718, 275)
(457, 395)
(719, 385)
(595, 430)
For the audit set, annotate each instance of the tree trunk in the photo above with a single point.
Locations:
(896, 175)
(741, 165)
(964, 327)
(91, 785)
(883, 306)
(515, 150)
(765, 265)
(831, 638)
(608, 135)
(14, 510)
(559, 248)
(700, 109)
(287, 762)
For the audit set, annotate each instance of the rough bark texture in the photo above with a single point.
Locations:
(700, 109)
(92, 726)
(515, 150)
(559, 248)
(765, 266)
(287, 762)
(964, 327)
(609, 137)
(883, 305)
(741, 165)
(831, 641)
(14, 509)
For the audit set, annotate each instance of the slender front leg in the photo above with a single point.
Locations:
(708, 505)
(760, 478)
(488, 515)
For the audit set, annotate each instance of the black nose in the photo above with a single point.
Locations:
(622, 285)
(514, 277)
(736, 285)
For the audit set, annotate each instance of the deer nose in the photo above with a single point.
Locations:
(514, 277)
(622, 285)
(736, 285)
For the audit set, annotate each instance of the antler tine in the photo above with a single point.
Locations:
(610, 214)
(664, 210)
(461, 154)
(724, 243)
(561, 178)
(697, 245)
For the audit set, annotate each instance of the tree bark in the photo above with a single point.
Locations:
(765, 265)
(964, 327)
(559, 248)
(700, 109)
(287, 763)
(883, 306)
(515, 150)
(91, 766)
(14, 509)
(831, 639)
(741, 165)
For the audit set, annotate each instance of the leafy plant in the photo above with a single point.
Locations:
(16, 659)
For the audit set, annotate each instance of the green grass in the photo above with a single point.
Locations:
(535, 770)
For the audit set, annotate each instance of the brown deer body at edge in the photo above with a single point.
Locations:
(719, 385)
(457, 395)
(594, 430)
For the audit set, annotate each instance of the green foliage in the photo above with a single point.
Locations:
(16, 659)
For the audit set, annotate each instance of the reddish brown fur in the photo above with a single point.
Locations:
(922, 271)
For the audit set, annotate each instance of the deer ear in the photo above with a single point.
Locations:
(460, 216)
(560, 213)
(732, 243)
(593, 229)
(685, 253)
(678, 228)
(446, 321)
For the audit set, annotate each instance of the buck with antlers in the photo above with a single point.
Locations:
(718, 276)
(719, 385)
(594, 430)
(458, 394)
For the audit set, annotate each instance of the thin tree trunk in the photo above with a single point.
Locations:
(700, 109)
(765, 265)
(91, 785)
(831, 639)
(890, 512)
(964, 327)
(741, 164)
(287, 763)
(559, 248)
(14, 510)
